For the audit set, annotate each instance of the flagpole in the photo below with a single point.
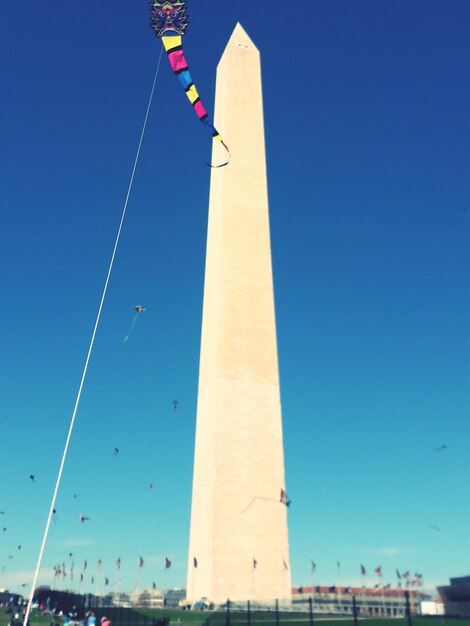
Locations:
(313, 568)
(98, 575)
(195, 586)
(363, 594)
(117, 584)
(338, 589)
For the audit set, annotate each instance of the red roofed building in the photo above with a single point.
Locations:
(370, 602)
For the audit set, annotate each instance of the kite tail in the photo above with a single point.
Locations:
(131, 328)
(174, 49)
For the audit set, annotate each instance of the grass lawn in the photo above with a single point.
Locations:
(35, 618)
(146, 617)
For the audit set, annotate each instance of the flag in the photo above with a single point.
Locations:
(118, 563)
(141, 562)
(81, 578)
(284, 499)
(363, 570)
(398, 574)
(99, 565)
(378, 570)
(85, 565)
(338, 566)
(314, 567)
(92, 580)
(106, 581)
(195, 562)
(167, 563)
(154, 585)
(255, 563)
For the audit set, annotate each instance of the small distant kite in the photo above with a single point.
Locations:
(436, 528)
(284, 499)
(32, 477)
(116, 451)
(169, 22)
(83, 518)
(4, 529)
(443, 447)
(150, 487)
(175, 404)
(138, 310)
(19, 547)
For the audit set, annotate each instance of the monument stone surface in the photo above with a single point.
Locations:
(238, 539)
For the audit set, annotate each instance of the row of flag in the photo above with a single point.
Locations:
(60, 569)
(255, 563)
(417, 579)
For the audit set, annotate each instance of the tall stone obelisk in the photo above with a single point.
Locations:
(238, 540)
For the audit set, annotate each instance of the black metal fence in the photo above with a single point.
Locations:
(235, 614)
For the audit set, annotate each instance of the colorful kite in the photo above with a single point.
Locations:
(169, 22)
(138, 310)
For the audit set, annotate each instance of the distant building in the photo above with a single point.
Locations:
(456, 597)
(6, 597)
(173, 597)
(148, 598)
(432, 607)
(383, 602)
(143, 598)
(70, 603)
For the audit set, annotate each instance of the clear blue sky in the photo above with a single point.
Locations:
(368, 137)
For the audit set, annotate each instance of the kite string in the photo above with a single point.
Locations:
(90, 349)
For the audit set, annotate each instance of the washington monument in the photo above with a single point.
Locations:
(238, 545)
